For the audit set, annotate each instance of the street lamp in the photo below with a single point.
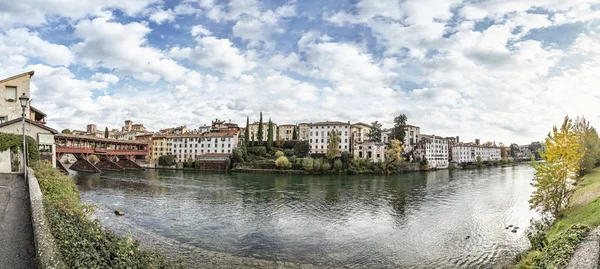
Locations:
(24, 99)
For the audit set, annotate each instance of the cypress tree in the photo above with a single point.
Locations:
(247, 134)
(259, 134)
(105, 132)
(295, 134)
(270, 134)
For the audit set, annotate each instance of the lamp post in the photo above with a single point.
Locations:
(24, 99)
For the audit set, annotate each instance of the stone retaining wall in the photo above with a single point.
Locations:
(46, 253)
(587, 253)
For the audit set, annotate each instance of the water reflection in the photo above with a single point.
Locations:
(417, 220)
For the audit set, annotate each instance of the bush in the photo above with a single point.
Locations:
(15, 142)
(290, 144)
(282, 162)
(166, 160)
(259, 150)
(317, 165)
(558, 252)
(346, 159)
(301, 149)
(293, 159)
(82, 242)
(279, 153)
(337, 165)
(326, 166)
(289, 152)
(307, 164)
(237, 155)
(451, 167)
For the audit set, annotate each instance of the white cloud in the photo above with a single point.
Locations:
(161, 16)
(199, 30)
(130, 56)
(220, 55)
(38, 12)
(23, 42)
(110, 78)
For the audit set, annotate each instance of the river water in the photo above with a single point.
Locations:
(441, 219)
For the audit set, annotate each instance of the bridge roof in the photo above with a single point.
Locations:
(90, 138)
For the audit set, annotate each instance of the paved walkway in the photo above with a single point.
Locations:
(16, 236)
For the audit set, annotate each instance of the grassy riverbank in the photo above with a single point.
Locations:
(82, 242)
(584, 209)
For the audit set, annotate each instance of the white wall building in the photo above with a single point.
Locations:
(360, 131)
(303, 131)
(190, 146)
(434, 149)
(370, 150)
(468, 152)
(319, 135)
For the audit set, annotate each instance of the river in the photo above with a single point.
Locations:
(440, 219)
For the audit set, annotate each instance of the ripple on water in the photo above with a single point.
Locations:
(401, 221)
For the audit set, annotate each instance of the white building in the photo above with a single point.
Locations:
(434, 149)
(468, 152)
(374, 151)
(319, 136)
(190, 146)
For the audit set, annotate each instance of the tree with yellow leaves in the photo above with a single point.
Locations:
(553, 177)
(393, 155)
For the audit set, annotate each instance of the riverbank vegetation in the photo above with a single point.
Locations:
(567, 194)
(82, 242)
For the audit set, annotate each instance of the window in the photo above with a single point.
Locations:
(3, 119)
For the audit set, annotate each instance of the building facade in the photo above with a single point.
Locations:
(254, 131)
(373, 151)
(319, 136)
(468, 153)
(434, 149)
(189, 146)
(10, 90)
(360, 132)
(285, 132)
(303, 131)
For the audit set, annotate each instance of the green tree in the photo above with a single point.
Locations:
(247, 134)
(259, 133)
(374, 133)
(562, 163)
(166, 160)
(337, 165)
(535, 147)
(301, 149)
(295, 134)
(270, 134)
(105, 132)
(66, 131)
(514, 150)
(333, 144)
(479, 160)
(399, 130)
(283, 162)
(590, 145)
(279, 153)
(307, 164)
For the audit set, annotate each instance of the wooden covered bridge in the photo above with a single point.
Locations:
(113, 154)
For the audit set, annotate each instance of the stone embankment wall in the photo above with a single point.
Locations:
(588, 252)
(46, 253)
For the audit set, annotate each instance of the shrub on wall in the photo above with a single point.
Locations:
(15, 142)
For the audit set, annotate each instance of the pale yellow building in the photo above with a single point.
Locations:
(10, 90)
(159, 148)
(253, 130)
(285, 132)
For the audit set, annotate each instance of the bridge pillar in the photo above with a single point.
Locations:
(83, 165)
(106, 163)
(127, 163)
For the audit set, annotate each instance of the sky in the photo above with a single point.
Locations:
(497, 70)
